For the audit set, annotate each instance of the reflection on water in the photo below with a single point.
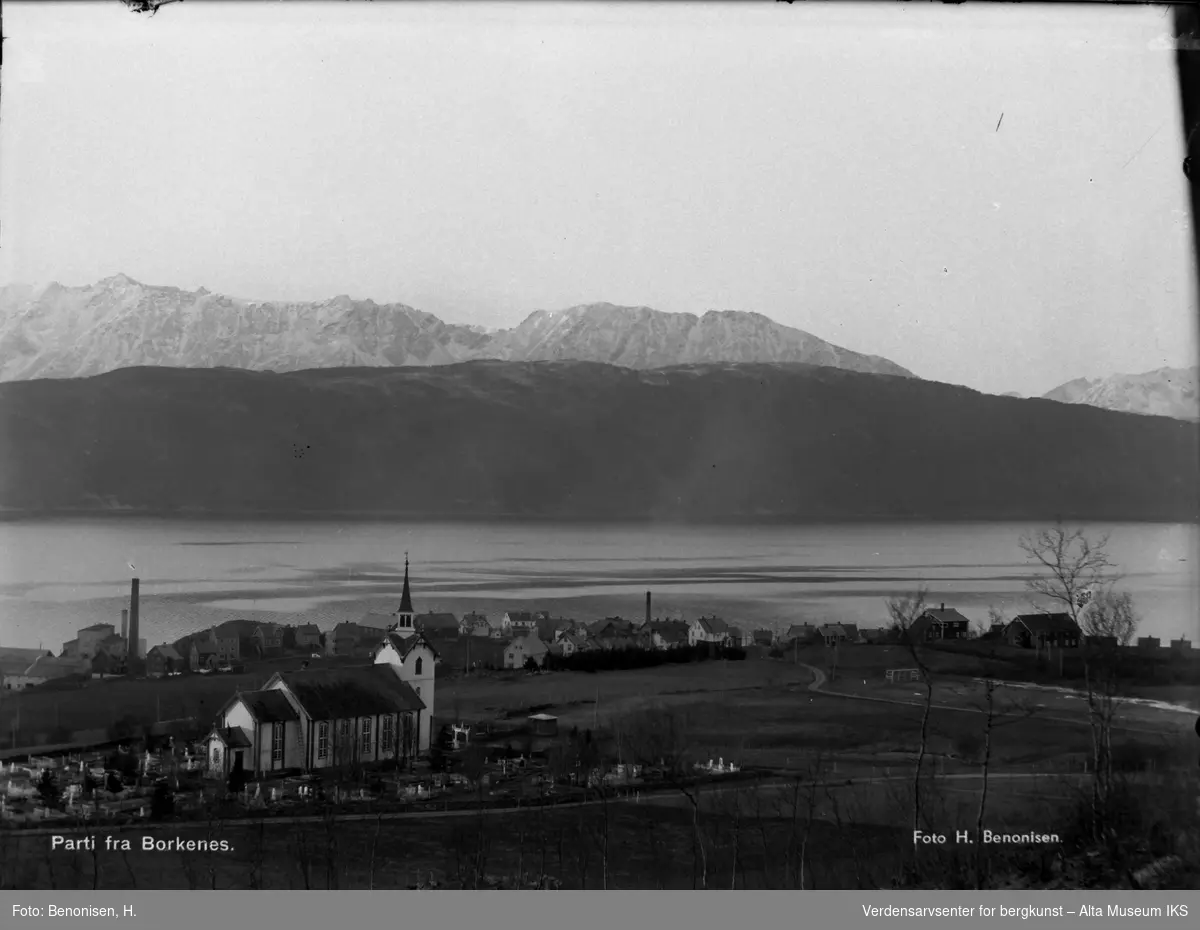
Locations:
(58, 575)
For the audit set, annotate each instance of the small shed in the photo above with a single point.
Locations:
(543, 725)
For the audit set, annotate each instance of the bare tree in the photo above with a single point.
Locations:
(993, 720)
(1112, 621)
(904, 612)
(1071, 565)
(1076, 576)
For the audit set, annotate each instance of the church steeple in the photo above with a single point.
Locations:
(406, 596)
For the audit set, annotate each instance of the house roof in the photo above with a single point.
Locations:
(48, 667)
(437, 621)
(268, 706)
(673, 633)
(715, 625)
(406, 644)
(520, 616)
(530, 643)
(1047, 623)
(167, 651)
(851, 630)
(833, 629)
(372, 621)
(946, 615)
(204, 647)
(338, 693)
(309, 629)
(233, 737)
(269, 629)
(800, 629)
(111, 639)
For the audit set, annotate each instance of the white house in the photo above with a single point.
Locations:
(526, 647)
(518, 622)
(709, 630)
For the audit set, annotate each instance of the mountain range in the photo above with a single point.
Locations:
(71, 332)
(488, 438)
(1168, 392)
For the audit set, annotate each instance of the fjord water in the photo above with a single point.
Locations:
(57, 575)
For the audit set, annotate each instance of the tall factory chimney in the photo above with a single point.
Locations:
(125, 626)
(647, 606)
(132, 641)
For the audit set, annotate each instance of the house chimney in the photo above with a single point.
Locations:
(647, 606)
(125, 626)
(131, 643)
(943, 606)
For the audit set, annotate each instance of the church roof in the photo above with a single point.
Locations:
(406, 596)
(405, 644)
(334, 694)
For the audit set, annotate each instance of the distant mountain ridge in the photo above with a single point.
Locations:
(72, 332)
(580, 440)
(1167, 392)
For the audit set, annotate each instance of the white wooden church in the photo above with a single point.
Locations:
(318, 718)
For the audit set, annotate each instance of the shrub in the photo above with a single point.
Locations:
(48, 790)
(162, 802)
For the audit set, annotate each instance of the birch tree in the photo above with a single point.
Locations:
(904, 612)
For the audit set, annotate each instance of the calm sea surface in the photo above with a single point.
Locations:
(59, 575)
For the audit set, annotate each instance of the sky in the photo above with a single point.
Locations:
(989, 195)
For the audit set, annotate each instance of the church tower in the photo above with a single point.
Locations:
(404, 616)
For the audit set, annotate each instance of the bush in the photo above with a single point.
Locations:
(162, 802)
(48, 790)
(237, 777)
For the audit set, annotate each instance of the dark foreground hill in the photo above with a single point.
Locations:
(578, 439)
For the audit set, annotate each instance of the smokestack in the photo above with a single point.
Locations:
(943, 606)
(647, 606)
(132, 642)
(125, 626)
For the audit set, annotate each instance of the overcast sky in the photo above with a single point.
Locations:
(837, 168)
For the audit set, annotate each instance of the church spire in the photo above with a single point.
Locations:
(406, 596)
